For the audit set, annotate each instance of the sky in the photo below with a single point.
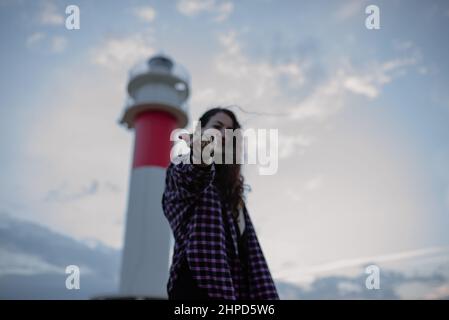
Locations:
(362, 116)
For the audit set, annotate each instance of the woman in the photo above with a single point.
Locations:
(217, 254)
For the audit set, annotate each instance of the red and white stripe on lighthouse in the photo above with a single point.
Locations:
(157, 91)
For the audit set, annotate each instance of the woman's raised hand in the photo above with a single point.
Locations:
(197, 148)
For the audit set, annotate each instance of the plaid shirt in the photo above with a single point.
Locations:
(205, 234)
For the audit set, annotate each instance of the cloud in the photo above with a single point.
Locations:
(18, 263)
(330, 97)
(224, 10)
(58, 44)
(146, 13)
(260, 80)
(292, 145)
(191, 8)
(403, 45)
(282, 83)
(33, 260)
(64, 193)
(122, 52)
(49, 14)
(34, 39)
(338, 265)
(369, 82)
(393, 285)
(76, 190)
(350, 9)
(325, 100)
(361, 86)
(46, 44)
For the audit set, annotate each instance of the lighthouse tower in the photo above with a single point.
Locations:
(158, 90)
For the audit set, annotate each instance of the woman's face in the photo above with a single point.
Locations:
(220, 121)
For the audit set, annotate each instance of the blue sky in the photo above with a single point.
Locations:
(363, 117)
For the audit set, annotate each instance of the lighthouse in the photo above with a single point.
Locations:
(156, 105)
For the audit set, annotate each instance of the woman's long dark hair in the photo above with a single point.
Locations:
(228, 177)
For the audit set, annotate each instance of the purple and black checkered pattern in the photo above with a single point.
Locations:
(206, 235)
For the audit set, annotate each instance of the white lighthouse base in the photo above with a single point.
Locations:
(145, 260)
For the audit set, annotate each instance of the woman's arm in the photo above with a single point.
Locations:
(190, 176)
(189, 180)
(184, 183)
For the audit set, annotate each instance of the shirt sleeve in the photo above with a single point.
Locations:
(184, 183)
(189, 180)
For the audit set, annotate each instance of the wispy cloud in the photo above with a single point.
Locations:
(334, 266)
(350, 9)
(329, 97)
(66, 192)
(261, 79)
(369, 82)
(145, 13)
(223, 11)
(34, 38)
(220, 10)
(50, 15)
(122, 51)
(58, 44)
(403, 45)
(19, 263)
(290, 145)
(46, 44)
(393, 285)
